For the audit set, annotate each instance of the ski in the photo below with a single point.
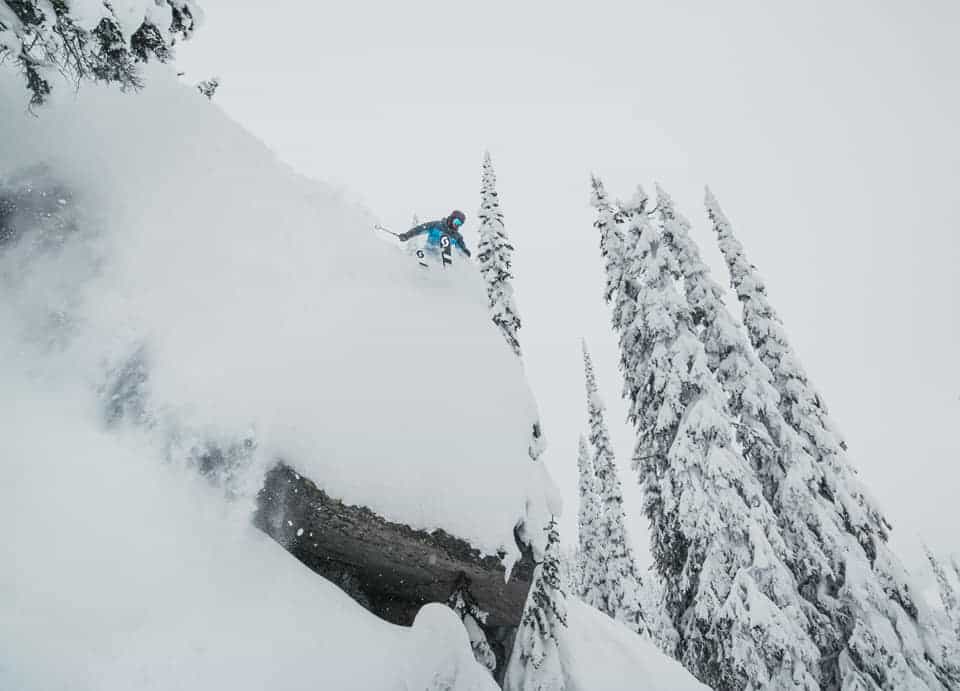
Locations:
(446, 249)
(445, 255)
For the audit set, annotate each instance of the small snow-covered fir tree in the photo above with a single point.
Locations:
(535, 662)
(715, 542)
(589, 530)
(494, 253)
(470, 613)
(101, 41)
(881, 633)
(208, 87)
(617, 580)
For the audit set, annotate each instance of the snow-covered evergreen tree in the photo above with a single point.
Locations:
(715, 541)
(614, 246)
(208, 87)
(801, 404)
(470, 613)
(535, 662)
(617, 580)
(611, 238)
(494, 253)
(948, 594)
(100, 41)
(590, 530)
(624, 302)
(881, 634)
(808, 522)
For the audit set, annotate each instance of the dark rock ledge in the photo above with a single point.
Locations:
(389, 568)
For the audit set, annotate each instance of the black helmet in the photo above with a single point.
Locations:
(456, 219)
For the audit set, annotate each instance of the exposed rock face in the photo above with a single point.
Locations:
(389, 568)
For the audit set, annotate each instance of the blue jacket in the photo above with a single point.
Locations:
(435, 230)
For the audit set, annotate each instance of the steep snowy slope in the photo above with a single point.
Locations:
(169, 289)
(599, 654)
(260, 305)
(120, 573)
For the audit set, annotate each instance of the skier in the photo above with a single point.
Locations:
(436, 230)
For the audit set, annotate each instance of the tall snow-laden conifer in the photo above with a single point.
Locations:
(494, 252)
(589, 530)
(808, 522)
(618, 580)
(801, 404)
(884, 636)
(535, 662)
(101, 41)
(715, 541)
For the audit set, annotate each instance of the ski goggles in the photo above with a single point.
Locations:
(456, 223)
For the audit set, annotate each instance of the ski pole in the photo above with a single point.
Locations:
(387, 230)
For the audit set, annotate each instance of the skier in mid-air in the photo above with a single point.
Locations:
(448, 227)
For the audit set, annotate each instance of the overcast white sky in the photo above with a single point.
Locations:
(828, 130)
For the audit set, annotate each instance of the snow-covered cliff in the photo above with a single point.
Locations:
(169, 288)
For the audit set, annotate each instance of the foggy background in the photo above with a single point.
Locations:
(828, 131)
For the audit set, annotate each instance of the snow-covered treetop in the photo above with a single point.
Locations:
(802, 405)
(702, 291)
(638, 200)
(611, 238)
(208, 87)
(594, 400)
(598, 194)
(90, 39)
(613, 572)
